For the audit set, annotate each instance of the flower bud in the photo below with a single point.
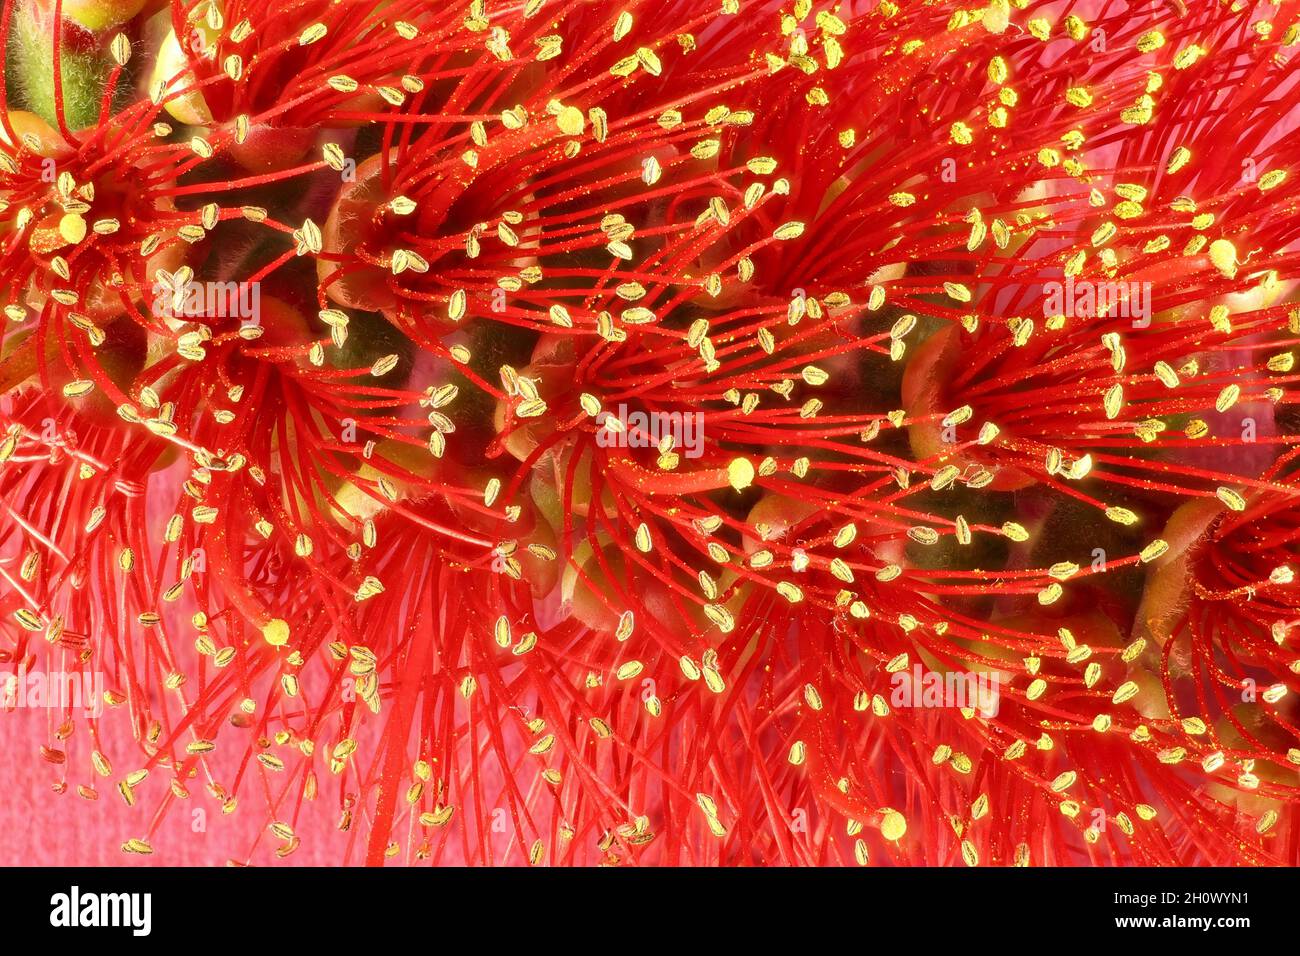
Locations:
(97, 14)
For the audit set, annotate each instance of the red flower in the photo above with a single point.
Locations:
(667, 435)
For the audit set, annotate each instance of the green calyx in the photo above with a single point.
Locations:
(29, 69)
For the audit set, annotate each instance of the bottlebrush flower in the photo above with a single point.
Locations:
(574, 433)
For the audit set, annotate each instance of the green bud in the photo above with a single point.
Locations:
(84, 66)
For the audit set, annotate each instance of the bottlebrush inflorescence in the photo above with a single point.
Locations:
(577, 431)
